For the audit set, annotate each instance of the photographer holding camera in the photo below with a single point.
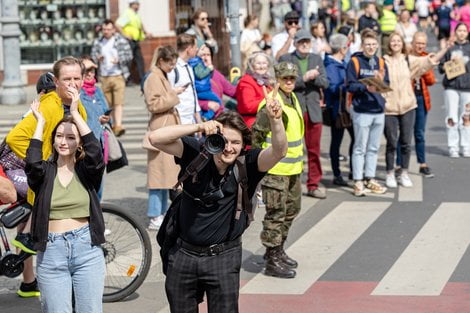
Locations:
(207, 255)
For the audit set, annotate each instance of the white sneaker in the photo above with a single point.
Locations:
(466, 153)
(454, 153)
(391, 181)
(156, 222)
(405, 180)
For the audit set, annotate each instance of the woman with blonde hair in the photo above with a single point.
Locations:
(400, 104)
(161, 100)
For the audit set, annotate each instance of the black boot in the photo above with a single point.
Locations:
(290, 262)
(275, 265)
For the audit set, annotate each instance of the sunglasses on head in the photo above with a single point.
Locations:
(292, 22)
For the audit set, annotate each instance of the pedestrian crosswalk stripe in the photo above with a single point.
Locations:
(427, 263)
(320, 247)
(413, 194)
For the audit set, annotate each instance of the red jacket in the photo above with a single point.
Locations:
(249, 95)
(427, 79)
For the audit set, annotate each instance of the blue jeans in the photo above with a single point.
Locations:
(71, 260)
(368, 129)
(158, 202)
(419, 132)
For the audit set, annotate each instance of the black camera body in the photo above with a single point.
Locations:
(215, 143)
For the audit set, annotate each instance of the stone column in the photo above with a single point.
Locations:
(13, 88)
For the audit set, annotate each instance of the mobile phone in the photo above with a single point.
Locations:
(108, 112)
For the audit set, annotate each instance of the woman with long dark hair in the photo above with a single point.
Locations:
(457, 95)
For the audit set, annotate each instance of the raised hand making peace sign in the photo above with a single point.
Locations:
(273, 107)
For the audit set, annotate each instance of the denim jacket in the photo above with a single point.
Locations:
(95, 106)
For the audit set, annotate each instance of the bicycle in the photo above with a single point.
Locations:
(127, 250)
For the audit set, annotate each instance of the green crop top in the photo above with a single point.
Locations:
(72, 201)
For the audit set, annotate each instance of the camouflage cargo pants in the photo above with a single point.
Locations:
(282, 195)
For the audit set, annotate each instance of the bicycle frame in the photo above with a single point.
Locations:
(11, 264)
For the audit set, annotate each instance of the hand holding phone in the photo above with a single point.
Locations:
(108, 112)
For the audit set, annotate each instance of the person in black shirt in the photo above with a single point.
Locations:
(367, 20)
(207, 256)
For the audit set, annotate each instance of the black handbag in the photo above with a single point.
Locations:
(326, 113)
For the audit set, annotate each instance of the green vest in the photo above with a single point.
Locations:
(134, 27)
(292, 163)
(388, 21)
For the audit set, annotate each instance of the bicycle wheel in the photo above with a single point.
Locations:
(127, 251)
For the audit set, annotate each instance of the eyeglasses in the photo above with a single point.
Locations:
(290, 23)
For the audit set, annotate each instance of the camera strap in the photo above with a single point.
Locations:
(239, 170)
(194, 167)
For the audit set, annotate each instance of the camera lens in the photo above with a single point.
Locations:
(215, 143)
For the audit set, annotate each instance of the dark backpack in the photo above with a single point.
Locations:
(142, 82)
(169, 230)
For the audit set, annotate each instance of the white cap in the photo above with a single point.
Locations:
(132, 1)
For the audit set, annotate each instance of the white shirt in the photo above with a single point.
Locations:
(109, 67)
(279, 40)
(248, 37)
(188, 99)
(422, 6)
(407, 32)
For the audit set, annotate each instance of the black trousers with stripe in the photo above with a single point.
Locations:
(190, 275)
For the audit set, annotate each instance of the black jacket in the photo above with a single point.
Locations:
(308, 92)
(41, 175)
(364, 101)
(461, 82)
(368, 22)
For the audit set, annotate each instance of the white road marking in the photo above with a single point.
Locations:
(320, 247)
(427, 263)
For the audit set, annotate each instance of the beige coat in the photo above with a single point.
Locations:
(402, 99)
(162, 171)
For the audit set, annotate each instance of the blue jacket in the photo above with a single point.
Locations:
(95, 106)
(364, 101)
(336, 74)
(202, 74)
